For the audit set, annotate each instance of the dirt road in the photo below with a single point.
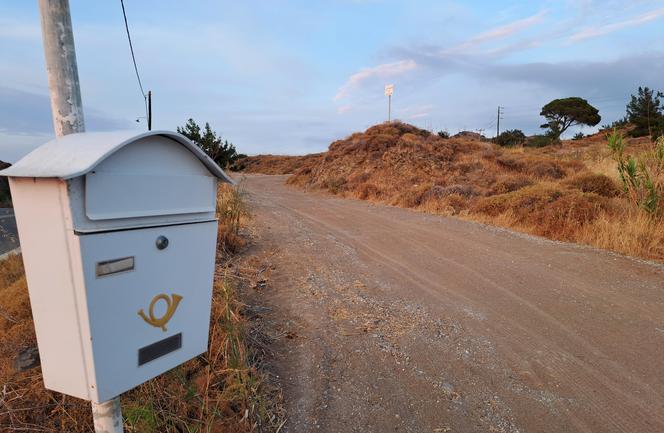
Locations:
(392, 320)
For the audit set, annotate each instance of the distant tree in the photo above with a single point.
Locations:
(644, 111)
(220, 151)
(560, 114)
(444, 134)
(513, 137)
(616, 124)
(5, 196)
(578, 136)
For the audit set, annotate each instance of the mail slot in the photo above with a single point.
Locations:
(118, 235)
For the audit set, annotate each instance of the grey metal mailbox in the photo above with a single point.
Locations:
(118, 234)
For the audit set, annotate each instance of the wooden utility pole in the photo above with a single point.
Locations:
(67, 110)
(149, 110)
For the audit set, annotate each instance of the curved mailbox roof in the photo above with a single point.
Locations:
(77, 154)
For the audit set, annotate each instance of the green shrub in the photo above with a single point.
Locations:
(642, 176)
(513, 137)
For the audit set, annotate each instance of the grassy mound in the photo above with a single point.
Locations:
(568, 192)
(274, 164)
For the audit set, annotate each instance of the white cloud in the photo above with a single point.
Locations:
(591, 32)
(499, 32)
(384, 70)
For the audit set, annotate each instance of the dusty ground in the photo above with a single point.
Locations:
(401, 321)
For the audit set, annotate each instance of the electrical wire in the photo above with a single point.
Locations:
(133, 58)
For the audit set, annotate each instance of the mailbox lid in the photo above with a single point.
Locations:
(153, 176)
(75, 155)
(125, 195)
(124, 271)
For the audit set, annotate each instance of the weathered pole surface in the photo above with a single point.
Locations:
(107, 416)
(67, 110)
(61, 68)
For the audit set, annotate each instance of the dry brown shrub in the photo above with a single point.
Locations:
(563, 218)
(366, 191)
(546, 169)
(464, 190)
(510, 183)
(335, 184)
(523, 202)
(412, 197)
(512, 162)
(596, 183)
(468, 167)
(455, 203)
(12, 270)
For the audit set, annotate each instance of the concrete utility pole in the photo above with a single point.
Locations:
(67, 110)
(61, 68)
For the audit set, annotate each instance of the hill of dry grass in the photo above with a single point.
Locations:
(275, 164)
(569, 192)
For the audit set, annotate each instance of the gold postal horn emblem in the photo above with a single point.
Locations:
(171, 305)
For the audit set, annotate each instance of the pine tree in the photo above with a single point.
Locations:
(644, 111)
(220, 151)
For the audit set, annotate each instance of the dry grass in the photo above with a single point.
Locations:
(219, 391)
(232, 212)
(570, 192)
(274, 164)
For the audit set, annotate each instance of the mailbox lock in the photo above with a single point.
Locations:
(162, 242)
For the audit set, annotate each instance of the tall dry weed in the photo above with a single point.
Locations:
(631, 232)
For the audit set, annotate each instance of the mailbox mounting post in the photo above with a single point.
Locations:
(67, 111)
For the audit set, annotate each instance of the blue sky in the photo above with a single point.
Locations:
(289, 77)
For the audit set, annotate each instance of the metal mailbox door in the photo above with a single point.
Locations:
(149, 293)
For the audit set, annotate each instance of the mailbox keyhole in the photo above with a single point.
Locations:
(162, 242)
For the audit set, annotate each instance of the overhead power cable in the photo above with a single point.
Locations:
(133, 58)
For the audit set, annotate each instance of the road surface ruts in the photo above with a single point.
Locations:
(393, 320)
